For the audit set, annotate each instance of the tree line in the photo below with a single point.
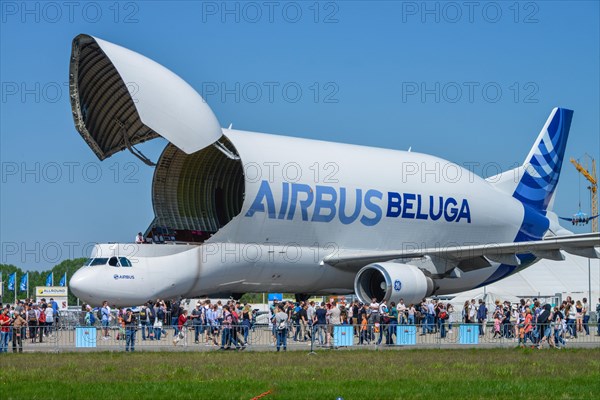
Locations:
(38, 278)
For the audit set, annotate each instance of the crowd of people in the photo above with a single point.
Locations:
(27, 320)
(540, 324)
(227, 325)
(214, 324)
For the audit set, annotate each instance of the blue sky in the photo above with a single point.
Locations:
(361, 68)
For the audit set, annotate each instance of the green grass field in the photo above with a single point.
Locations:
(422, 374)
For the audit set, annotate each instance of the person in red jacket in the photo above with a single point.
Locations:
(180, 323)
(4, 329)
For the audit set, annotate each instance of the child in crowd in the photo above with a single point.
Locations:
(520, 327)
(363, 330)
(497, 324)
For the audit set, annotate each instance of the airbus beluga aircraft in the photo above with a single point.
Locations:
(240, 212)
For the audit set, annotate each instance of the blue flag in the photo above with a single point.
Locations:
(11, 281)
(50, 279)
(23, 284)
(63, 280)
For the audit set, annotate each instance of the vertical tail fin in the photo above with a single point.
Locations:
(541, 169)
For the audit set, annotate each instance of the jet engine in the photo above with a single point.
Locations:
(392, 281)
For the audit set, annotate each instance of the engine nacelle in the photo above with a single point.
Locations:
(392, 281)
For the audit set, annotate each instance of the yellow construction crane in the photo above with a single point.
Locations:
(591, 177)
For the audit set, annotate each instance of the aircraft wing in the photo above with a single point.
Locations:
(566, 219)
(586, 245)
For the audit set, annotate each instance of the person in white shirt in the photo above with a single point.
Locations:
(401, 307)
(430, 316)
(49, 320)
(374, 307)
(139, 239)
(472, 311)
(383, 308)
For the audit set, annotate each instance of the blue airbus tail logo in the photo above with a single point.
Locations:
(542, 168)
(326, 203)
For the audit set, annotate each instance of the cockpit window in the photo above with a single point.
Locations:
(98, 261)
(124, 262)
(88, 262)
(113, 262)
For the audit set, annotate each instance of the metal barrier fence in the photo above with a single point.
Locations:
(296, 337)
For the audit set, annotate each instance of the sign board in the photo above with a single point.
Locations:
(468, 334)
(85, 336)
(343, 335)
(406, 335)
(275, 296)
(60, 294)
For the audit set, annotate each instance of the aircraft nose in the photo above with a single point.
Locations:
(81, 284)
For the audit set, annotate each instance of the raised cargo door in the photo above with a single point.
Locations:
(120, 98)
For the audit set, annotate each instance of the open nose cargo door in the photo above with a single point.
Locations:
(120, 98)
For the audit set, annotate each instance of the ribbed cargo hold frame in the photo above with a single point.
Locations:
(120, 98)
(102, 104)
(201, 191)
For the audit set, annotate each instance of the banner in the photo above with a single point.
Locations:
(23, 284)
(12, 278)
(51, 291)
(50, 279)
(59, 294)
(63, 280)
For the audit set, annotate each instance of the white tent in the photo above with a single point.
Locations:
(489, 298)
(546, 279)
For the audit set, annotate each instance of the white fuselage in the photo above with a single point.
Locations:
(303, 200)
